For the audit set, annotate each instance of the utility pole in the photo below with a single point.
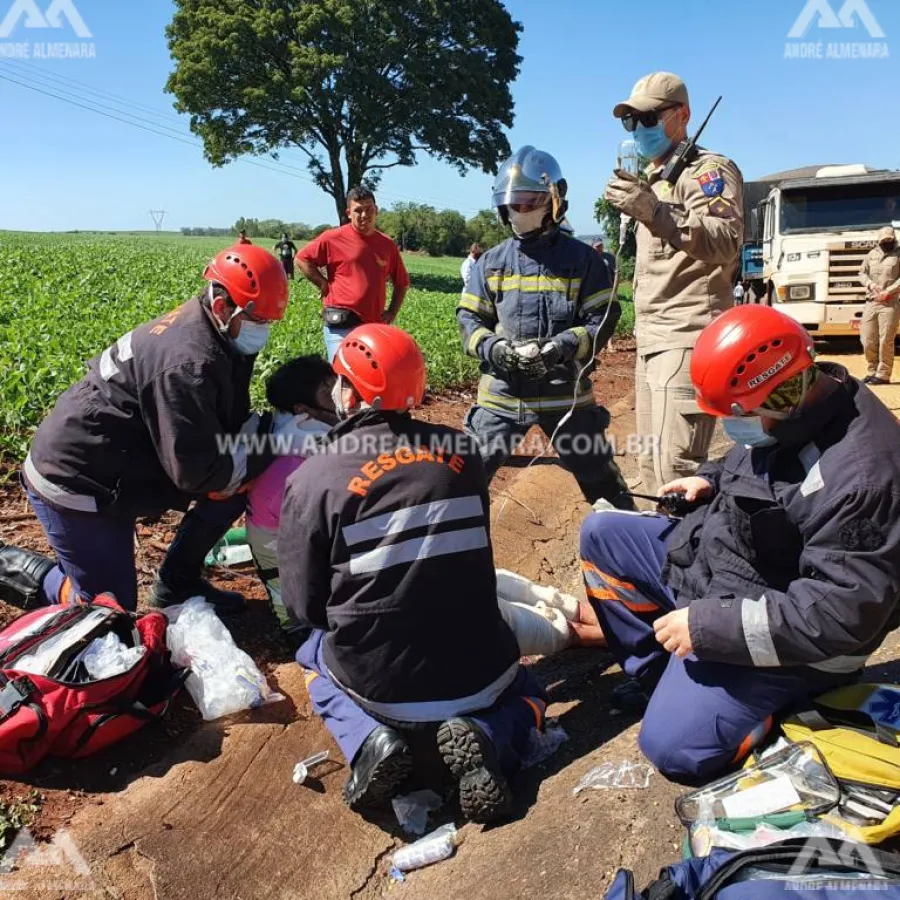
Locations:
(157, 215)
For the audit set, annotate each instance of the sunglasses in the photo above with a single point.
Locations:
(648, 119)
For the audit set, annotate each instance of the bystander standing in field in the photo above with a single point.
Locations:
(358, 260)
(286, 249)
(242, 238)
(608, 260)
(465, 270)
(159, 422)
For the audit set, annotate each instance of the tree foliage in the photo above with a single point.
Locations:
(359, 85)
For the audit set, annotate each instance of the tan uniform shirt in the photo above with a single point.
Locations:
(881, 270)
(688, 255)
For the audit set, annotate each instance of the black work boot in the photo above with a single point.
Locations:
(22, 573)
(634, 695)
(484, 793)
(379, 769)
(175, 591)
(180, 577)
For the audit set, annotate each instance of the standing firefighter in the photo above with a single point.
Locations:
(535, 311)
(880, 275)
(160, 421)
(688, 240)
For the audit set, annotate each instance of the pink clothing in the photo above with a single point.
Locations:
(267, 492)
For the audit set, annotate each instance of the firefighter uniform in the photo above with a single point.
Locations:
(684, 272)
(550, 286)
(374, 534)
(791, 572)
(880, 271)
(115, 447)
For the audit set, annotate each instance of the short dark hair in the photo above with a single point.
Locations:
(297, 381)
(360, 194)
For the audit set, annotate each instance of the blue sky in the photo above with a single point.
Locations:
(67, 168)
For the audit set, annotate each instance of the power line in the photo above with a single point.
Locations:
(73, 86)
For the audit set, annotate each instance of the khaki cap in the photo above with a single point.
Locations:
(652, 92)
(886, 234)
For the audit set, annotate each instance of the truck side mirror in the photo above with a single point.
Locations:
(754, 225)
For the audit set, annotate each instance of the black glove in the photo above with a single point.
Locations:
(503, 357)
(551, 354)
(531, 364)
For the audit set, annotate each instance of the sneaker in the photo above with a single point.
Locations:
(879, 381)
(868, 379)
(224, 602)
(379, 769)
(484, 793)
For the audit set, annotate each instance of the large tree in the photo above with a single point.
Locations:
(358, 85)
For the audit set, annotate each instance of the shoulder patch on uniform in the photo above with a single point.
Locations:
(712, 181)
(861, 535)
(721, 208)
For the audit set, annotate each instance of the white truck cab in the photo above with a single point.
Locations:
(816, 234)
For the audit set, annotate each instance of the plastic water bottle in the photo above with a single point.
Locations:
(231, 550)
(432, 848)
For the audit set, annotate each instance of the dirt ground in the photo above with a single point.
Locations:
(188, 809)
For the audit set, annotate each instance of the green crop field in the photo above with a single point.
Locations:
(66, 297)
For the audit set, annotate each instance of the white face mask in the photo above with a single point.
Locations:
(525, 223)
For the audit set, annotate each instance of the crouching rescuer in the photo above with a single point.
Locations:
(141, 434)
(783, 578)
(385, 552)
(535, 311)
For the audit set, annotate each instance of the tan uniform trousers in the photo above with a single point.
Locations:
(675, 434)
(877, 332)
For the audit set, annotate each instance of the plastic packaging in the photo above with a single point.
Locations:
(784, 788)
(44, 655)
(301, 770)
(412, 810)
(108, 656)
(542, 745)
(616, 776)
(223, 678)
(432, 848)
(706, 837)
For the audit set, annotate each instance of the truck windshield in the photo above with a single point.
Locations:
(840, 207)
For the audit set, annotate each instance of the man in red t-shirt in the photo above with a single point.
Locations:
(358, 259)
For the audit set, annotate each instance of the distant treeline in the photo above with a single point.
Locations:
(414, 226)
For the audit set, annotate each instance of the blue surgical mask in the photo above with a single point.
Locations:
(748, 431)
(652, 142)
(252, 337)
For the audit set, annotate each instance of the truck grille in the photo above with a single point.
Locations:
(844, 260)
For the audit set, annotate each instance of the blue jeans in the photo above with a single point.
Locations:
(95, 551)
(703, 716)
(334, 337)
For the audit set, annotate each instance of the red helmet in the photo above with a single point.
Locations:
(743, 355)
(254, 279)
(385, 366)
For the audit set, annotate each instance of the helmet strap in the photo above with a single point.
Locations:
(559, 204)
